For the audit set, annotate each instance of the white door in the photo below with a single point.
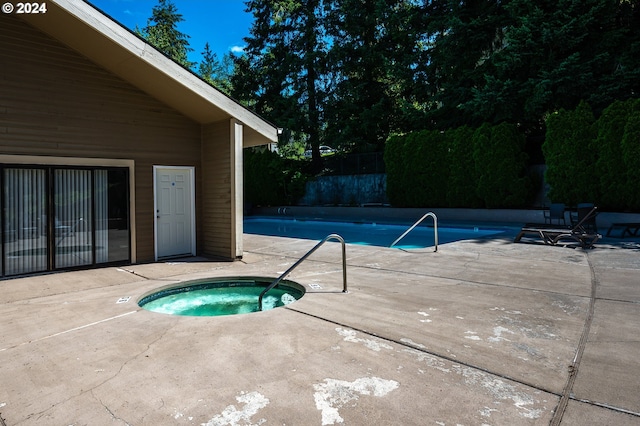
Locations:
(175, 211)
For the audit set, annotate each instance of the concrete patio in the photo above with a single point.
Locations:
(482, 332)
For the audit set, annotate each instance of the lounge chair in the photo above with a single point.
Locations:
(584, 210)
(627, 228)
(580, 232)
(555, 213)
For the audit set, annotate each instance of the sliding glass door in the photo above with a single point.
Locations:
(73, 213)
(24, 221)
(60, 218)
(112, 220)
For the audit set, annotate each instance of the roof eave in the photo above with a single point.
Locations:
(85, 29)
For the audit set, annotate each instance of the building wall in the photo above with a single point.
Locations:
(217, 194)
(55, 102)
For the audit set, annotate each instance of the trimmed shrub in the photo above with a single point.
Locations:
(417, 169)
(270, 180)
(500, 164)
(437, 167)
(396, 171)
(461, 189)
(570, 156)
(428, 166)
(631, 156)
(613, 184)
(458, 168)
(416, 176)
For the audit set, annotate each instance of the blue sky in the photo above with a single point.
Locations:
(222, 23)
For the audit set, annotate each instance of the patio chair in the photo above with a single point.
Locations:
(580, 232)
(584, 210)
(555, 213)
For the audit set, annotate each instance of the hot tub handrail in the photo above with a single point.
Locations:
(435, 229)
(281, 277)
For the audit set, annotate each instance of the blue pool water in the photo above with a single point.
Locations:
(374, 234)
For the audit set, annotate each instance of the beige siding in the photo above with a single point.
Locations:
(216, 190)
(55, 102)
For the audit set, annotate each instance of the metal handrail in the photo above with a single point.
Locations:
(327, 238)
(435, 229)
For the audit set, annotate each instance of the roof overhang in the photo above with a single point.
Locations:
(95, 35)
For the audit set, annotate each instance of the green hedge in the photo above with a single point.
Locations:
(595, 160)
(610, 129)
(631, 158)
(270, 180)
(463, 179)
(570, 157)
(500, 164)
(587, 159)
(418, 174)
(458, 168)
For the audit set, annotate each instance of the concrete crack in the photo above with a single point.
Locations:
(132, 272)
(106, 380)
(575, 365)
(108, 410)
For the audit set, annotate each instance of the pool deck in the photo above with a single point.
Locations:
(483, 332)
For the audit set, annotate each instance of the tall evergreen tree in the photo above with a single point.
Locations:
(362, 106)
(372, 62)
(352, 72)
(547, 62)
(162, 32)
(519, 60)
(280, 73)
(408, 45)
(215, 71)
(460, 36)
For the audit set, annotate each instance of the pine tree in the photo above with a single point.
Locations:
(281, 71)
(162, 32)
(215, 72)
(361, 105)
(372, 59)
(460, 38)
(518, 60)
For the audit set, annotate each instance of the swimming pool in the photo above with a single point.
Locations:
(372, 234)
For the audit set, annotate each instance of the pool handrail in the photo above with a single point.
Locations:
(327, 238)
(435, 229)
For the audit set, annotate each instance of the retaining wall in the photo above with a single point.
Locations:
(353, 190)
